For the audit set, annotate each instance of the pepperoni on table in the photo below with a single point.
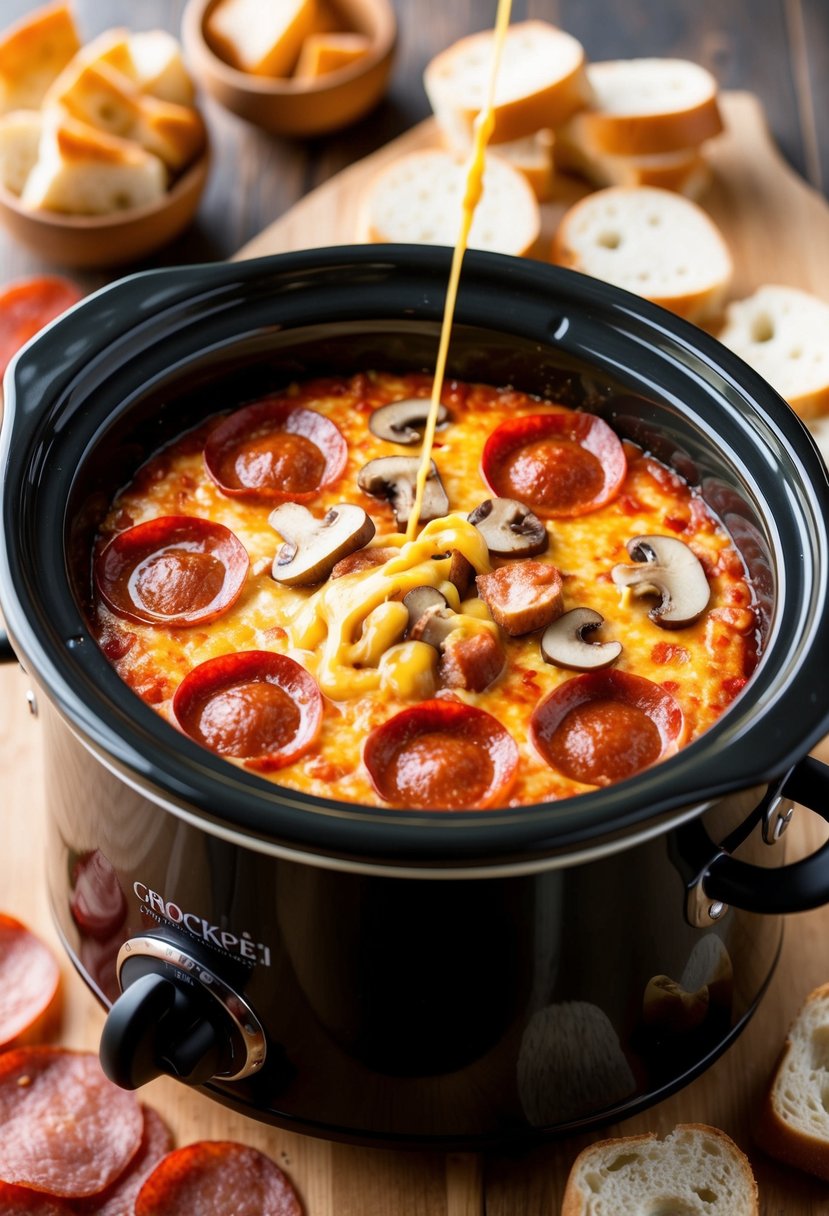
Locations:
(214, 1178)
(442, 756)
(177, 570)
(607, 725)
(67, 1129)
(97, 903)
(27, 306)
(256, 706)
(561, 465)
(275, 450)
(29, 979)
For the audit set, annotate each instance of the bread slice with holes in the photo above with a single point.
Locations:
(418, 198)
(258, 37)
(645, 107)
(793, 1124)
(783, 333)
(33, 52)
(695, 1171)
(652, 242)
(20, 133)
(541, 80)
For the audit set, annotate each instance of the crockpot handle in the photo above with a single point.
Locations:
(793, 888)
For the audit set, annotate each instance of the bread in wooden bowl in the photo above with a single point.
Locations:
(653, 242)
(32, 53)
(695, 1171)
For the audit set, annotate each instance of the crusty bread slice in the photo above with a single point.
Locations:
(541, 79)
(322, 53)
(783, 333)
(652, 242)
(646, 106)
(695, 1171)
(258, 37)
(532, 155)
(81, 171)
(418, 198)
(793, 1123)
(20, 133)
(686, 171)
(33, 52)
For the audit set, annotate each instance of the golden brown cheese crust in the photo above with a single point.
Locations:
(704, 665)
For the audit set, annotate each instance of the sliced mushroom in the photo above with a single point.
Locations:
(431, 619)
(461, 571)
(563, 642)
(403, 421)
(312, 547)
(509, 528)
(395, 478)
(669, 569)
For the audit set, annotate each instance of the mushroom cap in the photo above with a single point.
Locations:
(509, 528)
(403, 421)
(563, 642)
(395, 478)
(431, 620)
(668, 568)
(312, 547)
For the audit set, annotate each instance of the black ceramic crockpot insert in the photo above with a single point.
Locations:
(142, 360)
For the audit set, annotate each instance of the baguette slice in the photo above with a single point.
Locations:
(686, 172)
(32, 53)
(783, 333)
(81, 171)
(322, 53)
(261, 36)
(418, 199)
(652, 242)
(20, 133)
(532, 156)
(648, 106)
(793, 1124)
(695, 1171)
(541, 80)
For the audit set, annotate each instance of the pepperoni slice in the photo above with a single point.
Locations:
(607, 725)
(559, 464)
(256, 706)
(215, 1177)
(442, 756)
(177, 570)
(276, 450)
(27, 306)
(116, 1200)
(67, 1129)
(29, 978)
(97, 902)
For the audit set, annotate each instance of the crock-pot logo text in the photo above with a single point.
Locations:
(239, 945)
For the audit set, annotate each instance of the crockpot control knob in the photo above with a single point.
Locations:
(176, 1017)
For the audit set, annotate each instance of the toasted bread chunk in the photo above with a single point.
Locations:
(794, 1122)
(264, 39)
(696, 1170)
(158, 67)
(81, 171)
(647, 106)
(418, 198)
(323, 53)
(32, 54)
(652, 242)
(541, 80)
(784, 334)
(20, 133)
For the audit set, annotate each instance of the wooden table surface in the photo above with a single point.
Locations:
(778, 49)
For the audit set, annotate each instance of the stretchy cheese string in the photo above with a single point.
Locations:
(484, 124)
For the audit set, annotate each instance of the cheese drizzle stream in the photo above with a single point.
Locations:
(484, 124)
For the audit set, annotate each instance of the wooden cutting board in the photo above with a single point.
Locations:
(778, 230)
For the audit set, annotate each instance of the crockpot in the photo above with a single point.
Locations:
(444, 978)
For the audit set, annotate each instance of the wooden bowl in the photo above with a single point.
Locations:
(283, 105)
(107, 240)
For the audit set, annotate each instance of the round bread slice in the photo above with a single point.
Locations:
(647, 106)
(686, 172)
(418, 199)
(652, 242)
(695, 1171)
(783, 333)
(541, 79)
